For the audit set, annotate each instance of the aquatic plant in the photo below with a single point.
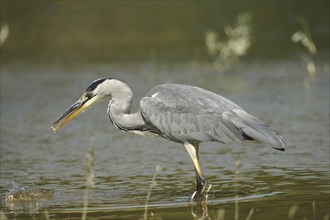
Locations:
(226, 53)
(308, 55)
(4, 33)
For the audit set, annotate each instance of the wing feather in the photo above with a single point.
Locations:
(184, 113)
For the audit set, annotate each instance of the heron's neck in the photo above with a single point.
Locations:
(119, 110)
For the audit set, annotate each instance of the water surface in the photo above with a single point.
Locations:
(45, 172)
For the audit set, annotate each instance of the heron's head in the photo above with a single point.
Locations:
(95, 92)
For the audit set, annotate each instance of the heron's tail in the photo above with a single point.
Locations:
(250, 128)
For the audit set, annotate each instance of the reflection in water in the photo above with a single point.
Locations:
(200, 210)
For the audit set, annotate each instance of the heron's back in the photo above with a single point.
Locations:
(185, 113)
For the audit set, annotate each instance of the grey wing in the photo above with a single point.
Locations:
(252, 129)
(184, 113)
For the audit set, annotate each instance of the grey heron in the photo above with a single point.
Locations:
(181, 113)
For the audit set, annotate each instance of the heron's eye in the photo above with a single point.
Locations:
(88, 95)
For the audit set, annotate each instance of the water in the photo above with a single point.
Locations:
(43, 174)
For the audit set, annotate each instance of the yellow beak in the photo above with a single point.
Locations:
(71, 113)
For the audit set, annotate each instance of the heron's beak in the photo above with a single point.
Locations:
(82, 104)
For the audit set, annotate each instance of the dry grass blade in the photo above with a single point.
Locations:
(90, 157)
(238, 165)
(292, 211)
(250, 214)
(152, 184)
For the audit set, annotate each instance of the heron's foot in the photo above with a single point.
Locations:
(201, 192)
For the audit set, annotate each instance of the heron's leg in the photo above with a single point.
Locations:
(192, 149)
